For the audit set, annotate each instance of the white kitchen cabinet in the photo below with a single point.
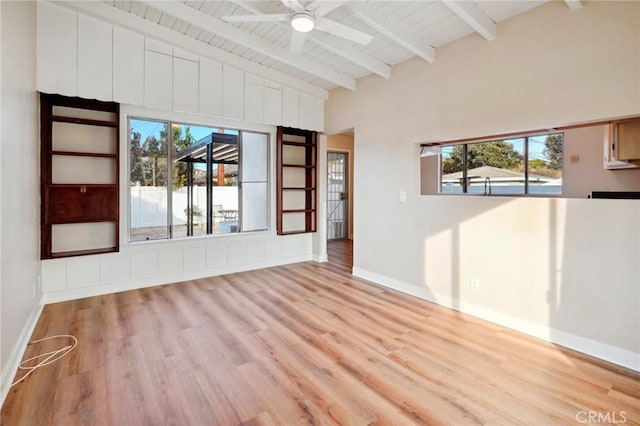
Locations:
(185, 85)
(253, 99)
(210, 90)
(128, 67)
(158, 46)
(273, 103)
(232, 92)
(319, 115)
(95, 67)
(307, 111)
(290, 107)
(158, 80)
(57, 49)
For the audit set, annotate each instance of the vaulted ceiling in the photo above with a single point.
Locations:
(399, 30)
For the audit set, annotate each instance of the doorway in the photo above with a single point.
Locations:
(337, 195)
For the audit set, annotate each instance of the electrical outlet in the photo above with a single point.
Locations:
(403, 196)
(475, 285)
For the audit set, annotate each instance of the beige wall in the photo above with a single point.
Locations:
(548, 67)
(344, 142)
(20, 217)
(563, 269)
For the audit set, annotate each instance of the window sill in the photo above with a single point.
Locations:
(500, 195)
(199, 239)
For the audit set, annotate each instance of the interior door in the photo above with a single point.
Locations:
(337, 206)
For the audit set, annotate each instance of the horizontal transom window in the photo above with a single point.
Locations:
(515, 166)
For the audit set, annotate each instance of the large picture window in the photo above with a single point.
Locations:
(188, 180)
(524, 165)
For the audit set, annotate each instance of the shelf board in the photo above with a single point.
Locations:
(87, 121)
(297, 188)
(294, 232)
(301, 166)
(299, 211)
(61, 254)
(305, 144)
(84, 220)
(84, 154)
(88, 185)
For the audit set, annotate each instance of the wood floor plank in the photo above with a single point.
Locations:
(298, 344)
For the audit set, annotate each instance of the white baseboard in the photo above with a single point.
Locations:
(98, 290)
(11, 366)
(320, 259)
(613, 354)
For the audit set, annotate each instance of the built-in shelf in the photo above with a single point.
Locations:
(291, 143)
(302, 166)
(296, 181)
(84, 154)
(86, 121)
(83, 252)
(79, 179)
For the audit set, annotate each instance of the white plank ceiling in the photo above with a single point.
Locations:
(400, 30)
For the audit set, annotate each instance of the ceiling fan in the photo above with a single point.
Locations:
(304, 19)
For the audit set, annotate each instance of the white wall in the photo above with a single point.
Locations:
(566, 270)
(82, 56)
(20, 191)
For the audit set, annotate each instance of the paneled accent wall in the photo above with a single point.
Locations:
(148, 264)
(81, 56)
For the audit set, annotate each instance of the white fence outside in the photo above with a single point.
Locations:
(149, 204)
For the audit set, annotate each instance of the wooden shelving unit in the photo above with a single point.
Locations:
(297, 195)
(79, 176)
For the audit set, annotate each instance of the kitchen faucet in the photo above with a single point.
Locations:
(487, 180)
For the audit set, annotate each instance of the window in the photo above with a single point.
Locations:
(188, 180)
(517, 166)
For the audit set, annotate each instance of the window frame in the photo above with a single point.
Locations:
(499, 138)
(187, 120)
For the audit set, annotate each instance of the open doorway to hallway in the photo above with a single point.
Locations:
(340, 160)
(337, 195)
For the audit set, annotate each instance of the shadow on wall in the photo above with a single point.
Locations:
(594, 280)
(447, 247)
(562, 269)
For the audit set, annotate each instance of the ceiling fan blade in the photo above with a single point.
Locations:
(332, 27)
(297, 41)
(320, 7)
(275, 17)
(293, 5)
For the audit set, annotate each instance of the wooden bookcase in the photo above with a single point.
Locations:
(297, 194)
(79, 160)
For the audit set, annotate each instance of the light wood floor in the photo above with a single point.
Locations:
(303, 344)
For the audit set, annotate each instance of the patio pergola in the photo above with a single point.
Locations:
(215, 148)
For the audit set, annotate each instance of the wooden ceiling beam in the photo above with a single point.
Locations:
(474, 17)
(393, 31)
